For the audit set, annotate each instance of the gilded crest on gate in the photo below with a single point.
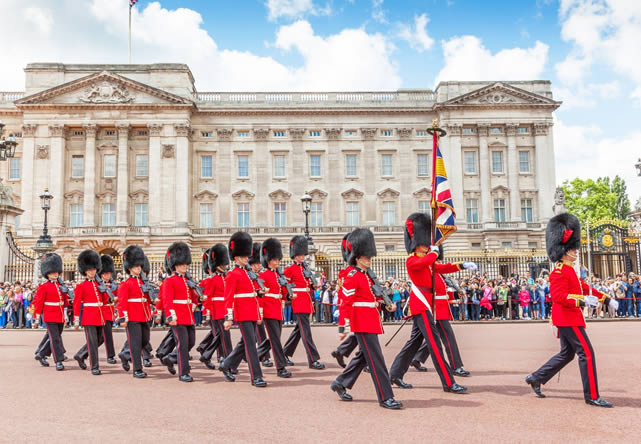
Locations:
(606, 240)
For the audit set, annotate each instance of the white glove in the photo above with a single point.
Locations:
(434, 249)
(614, 304)
(591, 301)
(470, 266)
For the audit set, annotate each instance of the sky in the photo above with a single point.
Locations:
(588, 49)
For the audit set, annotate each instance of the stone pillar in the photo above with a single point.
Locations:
(513, 173)
(484, 167)
(122, 205)
(454, 169)
(155, 168)
(56, 174)
(182, 174)
(89, 205)
(544, 169)
(26, 192)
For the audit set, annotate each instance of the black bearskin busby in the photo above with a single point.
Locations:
(178, 254)
(418, 231)
(205, 262)
(50, 263)
(255, 256)
(562, 234)
(271, 250)
(107, 265)
(146, 266)
(297, 246)
(363, 244)
(346, 247)
(240, 244)
(131, 257)
(218, 256)
(87, 260)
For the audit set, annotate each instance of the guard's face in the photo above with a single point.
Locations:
(274, 263)
(135, 270)
(91, 273)
(256, 267)
(52, 276)
(241, 260)
(365, 262)
(106, 276)
(422, 249)
(222, 268)
(300, 258)
(182, 268)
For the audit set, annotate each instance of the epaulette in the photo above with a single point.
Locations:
(352, 273)
(558, 267)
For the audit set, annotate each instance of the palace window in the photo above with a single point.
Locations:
(206, 167)
(351, 167)
(280, 167)
(424, 206)
(497, 162)
(469, 162)
(495, 130)
(108, 215)
(507, 245)
(316, 214)
(526, 210)
(109, 165)
(499, 210)
(422, 165)
(280, 214)
(390, 271)
(206, 215)
(243, 166)
(387, 167)
(142, 133)
(533, 245)
(76, 215)
(77, 167)
(14, 168)
(389, 213)
(476, 245)
(421, 133)
(206, 134)
(242, 133)
(141, 215)
(472, 211)
(350, 133)
(242, 214)
(315, 165)
(315, 133)
(77, 133)
(524, 161)
(389, 248)
(387, 133)
(469, 131)
(352, 214)
(279, 133)
(142, 165)
(110, 132)
(523, 130)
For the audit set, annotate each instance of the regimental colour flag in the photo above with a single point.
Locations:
(132, 3)
(441, 197)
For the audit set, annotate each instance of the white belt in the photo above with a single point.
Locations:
(137, 300)
(54, 304)
(301, 289)
(92, 304)
(245, 295)
(365, 304)
(181, 301)
(272, 295)
(441, 297)
(219, 299)
(420, 296)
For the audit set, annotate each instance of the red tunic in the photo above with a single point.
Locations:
(567, 290)
(341, 278)
(50, 302)
(419, 269)
(133, 305)
(159, 306)
(87, 296)
(360, 304)
(108, 307)
(206, 284)
(240, 298)
(443, 298)
(274, 297)
(179, 300)
(302, 303)
(218, 296)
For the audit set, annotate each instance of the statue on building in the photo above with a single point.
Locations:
(559, 201)
(6, 195)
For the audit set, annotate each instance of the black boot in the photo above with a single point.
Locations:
(123, 362)
(59, 366)
(169, 364)
(339, 358)
(289, 362)
(146, 363)
(456, 388)
(226, 372)
(461, 372)
(111, 360)
(418, 366)
(283, 373)
(402, 384)
(267, 363)
(185, 378)
(598, 402)
(43, 361)
(259, 382)
(81, 362)
(341, 391)
(95, 371)
(536, 386)
(392, 404)
(140, 374)
(316, 365)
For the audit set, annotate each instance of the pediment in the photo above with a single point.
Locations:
(388, 193)
(243, 195)
(497, 144)
(280, 194)
(318, 194)
(206, 194)
(103, 88)
(352, 193)
(73, 194)
(501, 94)
(139, 194)
(422, 192)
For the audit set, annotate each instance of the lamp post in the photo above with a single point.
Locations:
(7, 145)
(45, 203)
(307, 208)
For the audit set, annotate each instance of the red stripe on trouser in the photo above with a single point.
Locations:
(435, 349)
(449, 347)
(271, 343)
(309, 353)
(372, 367)
(180, 367)
(88, 347)
(222, 337)
(249, 362)
(53, 349)
(590, 362)
(131, 353)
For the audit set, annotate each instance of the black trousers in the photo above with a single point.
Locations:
(348, 345)
(45, 343)
(138, 339)
(93, 334)
(108, 338)
(261, 335)
(449, 342)
(424, 328)
(54, 342)
(208, 339)
(246, 347)
(146, 350)
(302, 331)
(574, 341)
(185, 339)
(274, 329)
(221, 341)
(167, 344)
(370, 354)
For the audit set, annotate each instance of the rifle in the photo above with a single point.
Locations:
(194, 286)
(63, 288)
(284, 282)
(380, 291)
(146, 287)
(254, 277)
(313, 276)
(102, 288)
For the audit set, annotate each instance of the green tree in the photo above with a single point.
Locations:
(589, 199)
(622, 204)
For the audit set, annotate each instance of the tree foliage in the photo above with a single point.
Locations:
(597, 199)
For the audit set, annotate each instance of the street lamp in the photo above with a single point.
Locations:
(7, 145)
(638, 167)
(45, 204)
(307, 208)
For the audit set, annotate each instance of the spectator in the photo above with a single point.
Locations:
(620, 287)
(637, 295)
(514, 299)
(474, 295)
(327, 305)
(524, 301)
(396, 298)
(501, 301)
(4, 307)
(540, 291)
(629, 297)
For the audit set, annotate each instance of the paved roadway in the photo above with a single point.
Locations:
(74, 406)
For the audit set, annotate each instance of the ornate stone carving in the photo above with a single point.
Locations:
(333, 133)
(454, 129)
(168, 151)
(318, 194)
(280, 194)
(635, 226)
(6, 195)
(56, 130)
(224, 133)
(369, 133)
(182, 129)
(109, 184)
(42, 151)
(496, 99)
(637, 206)
(500, 192)
(352, 194)
(123, 129)
(29, 129)
(541, 128)
(243, 195)
(423, 192)
(206, 195)
(404, 133)
(106, 92)
(388, 193)
(90, 129)
(261, 133)
(510, 129)
(483, 129)
(297, 133)
(559, 201)
(154, 129)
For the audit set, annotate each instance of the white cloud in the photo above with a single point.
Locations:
(417, 36)
(41, 17)
(294, 9)
(378, 13)
(587, 96)
(466, 58)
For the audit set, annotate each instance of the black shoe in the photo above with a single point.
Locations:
(64, 358)
(210, 365)
(341, 391)
(461, 372)
(536, 386)
(81, 362)
(139, 374)
(111, 361)
(284, 373)
(456, 388)
(267, 363)
(234, 371)
(95, 371)
(259, 382)
(59, 366)
(166, 361)
(159, 356)
(200, 349)
(123, 362)
(316, 365)
(366, 369)
(599, 402)
(43, 361)
(185, 378)
(220, 359)
(392, 404)
(289, 363)
(402, 384)
(418, 366)
(146, 363)
(227, 373)
(339, 358)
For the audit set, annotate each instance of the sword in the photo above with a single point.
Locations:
(399, 329)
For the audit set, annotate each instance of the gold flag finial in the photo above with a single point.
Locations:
(435, 123)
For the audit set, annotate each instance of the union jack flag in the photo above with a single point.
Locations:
(441, 198)
(132, 3)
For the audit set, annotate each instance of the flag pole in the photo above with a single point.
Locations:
(130, 34)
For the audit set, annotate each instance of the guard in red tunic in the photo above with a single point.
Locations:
(569, 296)
(362, 316)
(134, 308)
(87, 297)
(206, 283)
(261, 335)
(107, 272)
(179, 302)
(302, 305)
(349, 342)
(273, 304)
(242, 306)
(49, 307)
(418, 238)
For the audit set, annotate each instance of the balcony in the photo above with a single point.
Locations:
(104, 231)
(10, 96)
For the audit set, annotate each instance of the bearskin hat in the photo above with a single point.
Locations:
(50, 263)
(132, 256)
(297, 246)
(146, 266)
(87, 260)
(271, 250)
(107, 265)
(205, 262)
(418, 231)
(178, 254)
(218, 256)
(255, 257)
(562, 234)
(363, 244)
(346, 247)
(240, 244)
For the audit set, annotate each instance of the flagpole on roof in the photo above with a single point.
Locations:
(130, 6)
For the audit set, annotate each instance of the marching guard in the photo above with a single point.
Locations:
(206, 283)
(261, 334)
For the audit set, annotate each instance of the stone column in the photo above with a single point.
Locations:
(56, 174)
(544, 170)
(484, 167)
(182, 174)
(122, 205)
(155, 168)
(454, 169)
(513, 173)
(90, 176)
(26, 192)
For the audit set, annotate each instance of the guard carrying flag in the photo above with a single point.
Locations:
(569, 296)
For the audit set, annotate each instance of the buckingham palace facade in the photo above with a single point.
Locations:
(135, 154)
